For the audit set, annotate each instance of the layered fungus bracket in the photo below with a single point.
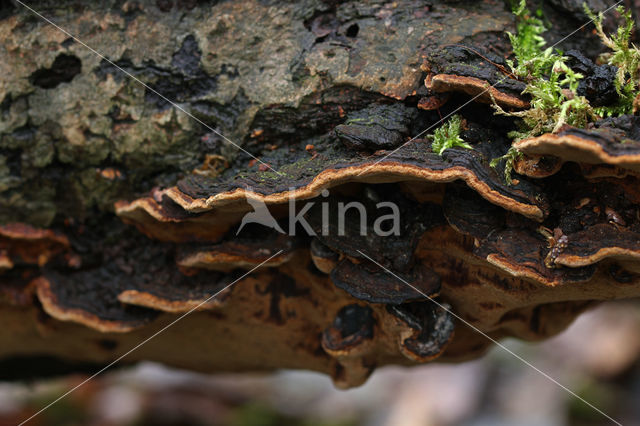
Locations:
(353, 242)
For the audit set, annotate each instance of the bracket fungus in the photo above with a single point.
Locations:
(21, 244)
(334, 134)
(352, 328)
(366, 281)
(611, 142)
(428, 329)
(479, 74)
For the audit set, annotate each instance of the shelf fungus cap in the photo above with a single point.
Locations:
(351, 332)
(21, 243)
(88, 304)
(428, 329)
(537, 166)
(201, 290)
(476, 72)
(480, 89)
(239, 253)
(599, 242)
(160, 218)
(367, 281)
(615, 146)
(522, 253)
(323, 257)
(310, 177)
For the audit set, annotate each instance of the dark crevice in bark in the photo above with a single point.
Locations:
(63, 70)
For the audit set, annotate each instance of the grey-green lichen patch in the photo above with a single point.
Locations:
(263, 43)
(33, 203)
(8, 180)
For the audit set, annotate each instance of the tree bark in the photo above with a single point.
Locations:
(81, 138)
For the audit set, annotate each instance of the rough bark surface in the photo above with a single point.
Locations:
(118, 210)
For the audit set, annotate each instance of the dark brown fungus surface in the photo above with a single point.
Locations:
(431, 328)
(183, 293)
(475, 72)
(367, 281)
(379, 222)
(333, 165)
(24, 244)
(242, 251)
(376, 127)
(612, 141)
(351, 328)
(522, 253)
(88, 299)
(104, 297)
(323, 257)
(469, 214)
(158, 217)
(599, 242)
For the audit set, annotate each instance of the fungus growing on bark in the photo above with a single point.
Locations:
(600, 242)
(476, 73)
(475, 87)
(307, 178)
(123, 295)
(430, 328)
(323, 257)
(23, 244)
(86, 300)
(240, 252)
(185, 292)
(349, 340)
(367, 281)
(514, 260)
(613, 141)
(537, 166)
(352, 327)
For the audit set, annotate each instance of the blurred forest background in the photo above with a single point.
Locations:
(598, 357)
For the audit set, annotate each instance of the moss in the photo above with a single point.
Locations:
(509, 162)
(553, 85)
(528, 43)
(448, 136)
(623, 55)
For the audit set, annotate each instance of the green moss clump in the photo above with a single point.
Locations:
(510, 158)
(553, 85)
(623, 55)
(527, 43)
(448, 136)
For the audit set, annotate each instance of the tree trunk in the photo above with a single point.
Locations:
(120, 200)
